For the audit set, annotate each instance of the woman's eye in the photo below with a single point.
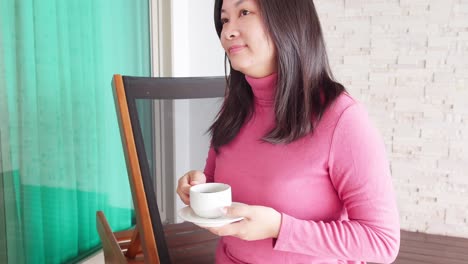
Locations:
(224, 21)
(245, 12)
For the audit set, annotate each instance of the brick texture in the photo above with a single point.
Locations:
(407, 61)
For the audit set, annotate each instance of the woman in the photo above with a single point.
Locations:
(297, 149)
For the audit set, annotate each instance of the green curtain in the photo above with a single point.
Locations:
(61, 155)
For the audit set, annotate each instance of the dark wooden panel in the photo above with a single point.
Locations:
(424, 248)
(189, 243)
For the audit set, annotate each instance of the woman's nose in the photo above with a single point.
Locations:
(230, 31)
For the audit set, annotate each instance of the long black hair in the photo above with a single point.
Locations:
(305, 85)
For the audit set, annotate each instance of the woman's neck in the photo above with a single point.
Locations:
(264, 88)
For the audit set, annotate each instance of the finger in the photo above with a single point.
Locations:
(237, 211)
(222, 231)
(184, 185)
(185, 200)
(214, 230)
(234, 229)
(196, 177)
(185, 189)
(184, 197)
(182, 182)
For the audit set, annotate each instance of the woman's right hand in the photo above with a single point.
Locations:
(189, 179)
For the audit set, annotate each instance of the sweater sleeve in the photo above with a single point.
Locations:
(210, 165)
(360, 173)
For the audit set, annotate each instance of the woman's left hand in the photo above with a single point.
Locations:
(259, 222)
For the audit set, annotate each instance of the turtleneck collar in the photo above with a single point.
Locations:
(263, 88)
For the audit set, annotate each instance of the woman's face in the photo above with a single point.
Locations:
(245, 40)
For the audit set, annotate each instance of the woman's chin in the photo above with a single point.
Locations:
(243, 70)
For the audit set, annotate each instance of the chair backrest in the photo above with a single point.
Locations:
(127, 90)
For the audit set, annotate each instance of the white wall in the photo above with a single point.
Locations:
(407, 61)
(196, 47)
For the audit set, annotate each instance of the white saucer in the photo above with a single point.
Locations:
(188, 215)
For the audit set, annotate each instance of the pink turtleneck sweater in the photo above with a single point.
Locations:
(333, 187)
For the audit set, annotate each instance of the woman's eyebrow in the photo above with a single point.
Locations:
(236, 5)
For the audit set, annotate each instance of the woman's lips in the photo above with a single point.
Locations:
(236, 48)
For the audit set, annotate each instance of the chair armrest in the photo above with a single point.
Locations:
(111, 248)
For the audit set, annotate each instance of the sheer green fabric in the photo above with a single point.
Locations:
(61, 157)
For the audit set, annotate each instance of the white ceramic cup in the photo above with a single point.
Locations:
(207, 199)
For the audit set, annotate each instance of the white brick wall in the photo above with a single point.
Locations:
(407, 61)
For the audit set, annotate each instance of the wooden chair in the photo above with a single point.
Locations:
(151, 241)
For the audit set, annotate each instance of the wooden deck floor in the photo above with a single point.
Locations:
(420, 248)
